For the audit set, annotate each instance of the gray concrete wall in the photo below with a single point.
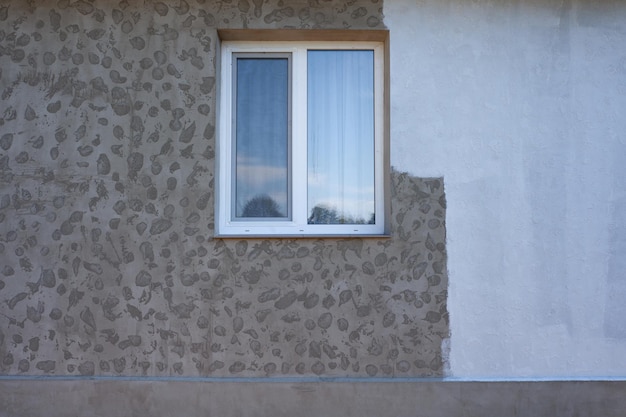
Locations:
(108, 261)
(432, 399)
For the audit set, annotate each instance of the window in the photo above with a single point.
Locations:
(301, 139)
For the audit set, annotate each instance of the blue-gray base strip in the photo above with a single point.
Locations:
(293, 380)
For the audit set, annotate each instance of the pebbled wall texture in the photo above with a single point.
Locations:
(108, 264)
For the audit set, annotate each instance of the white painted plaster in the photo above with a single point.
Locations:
(520, 106)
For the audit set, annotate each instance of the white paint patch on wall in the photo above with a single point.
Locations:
(520, 107)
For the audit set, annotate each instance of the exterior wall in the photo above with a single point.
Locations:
(519, 105)
(109, 266)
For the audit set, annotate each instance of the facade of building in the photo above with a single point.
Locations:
(489, 279)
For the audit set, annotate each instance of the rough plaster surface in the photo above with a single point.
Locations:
(520, 106)
(108, 265)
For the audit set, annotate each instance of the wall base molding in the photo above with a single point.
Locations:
(88, 397)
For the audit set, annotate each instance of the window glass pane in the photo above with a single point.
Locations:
(340, 137)
(262, 137)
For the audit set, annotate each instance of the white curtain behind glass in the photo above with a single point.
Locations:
(340, 136)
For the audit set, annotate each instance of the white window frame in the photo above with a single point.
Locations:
(297, 226)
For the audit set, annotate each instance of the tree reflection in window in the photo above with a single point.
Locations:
(322, 214)
(261, 205)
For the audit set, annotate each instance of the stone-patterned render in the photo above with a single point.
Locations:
(108, 265)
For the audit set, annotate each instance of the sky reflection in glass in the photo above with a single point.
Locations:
(262, 137)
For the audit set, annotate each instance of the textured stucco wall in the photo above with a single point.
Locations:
(108, 264)
(520, 106)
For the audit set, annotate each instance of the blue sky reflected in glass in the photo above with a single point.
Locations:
(340, 136)
(262, 137)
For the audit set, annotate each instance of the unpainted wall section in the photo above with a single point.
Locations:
(108, 261)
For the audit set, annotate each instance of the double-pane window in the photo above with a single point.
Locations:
(301, 139)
